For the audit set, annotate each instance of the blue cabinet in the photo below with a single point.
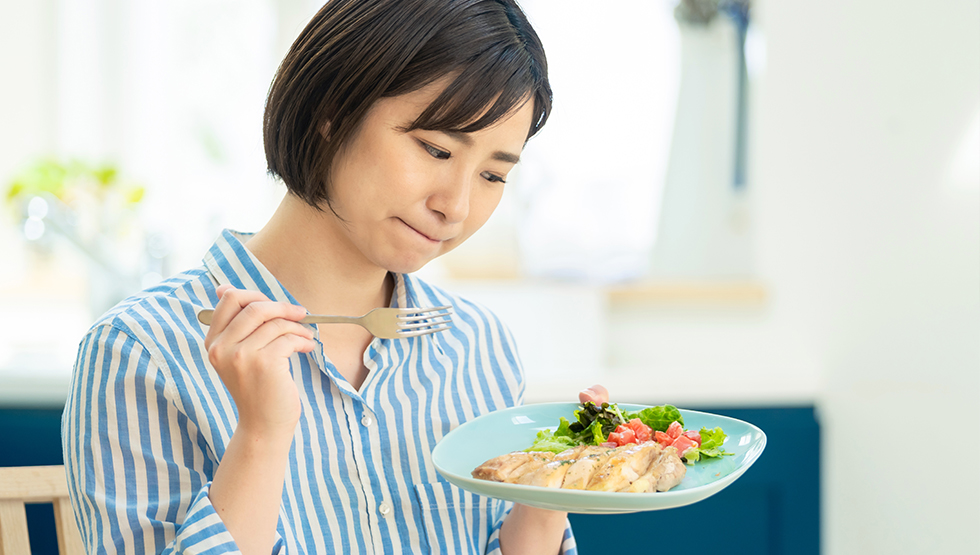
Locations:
(773, 509)
(32, 437)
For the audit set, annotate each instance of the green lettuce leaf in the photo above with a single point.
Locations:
(564, 429)
(607, 415)
(549, 441)
(712, 442)
(692, 456)
(658, 418)
(595, 431)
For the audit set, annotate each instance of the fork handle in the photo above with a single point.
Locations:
(205, 316)
(319, 319)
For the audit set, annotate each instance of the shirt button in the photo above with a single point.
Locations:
(384, 509)
(366, 420)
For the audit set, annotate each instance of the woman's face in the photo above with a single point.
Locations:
(407, 197)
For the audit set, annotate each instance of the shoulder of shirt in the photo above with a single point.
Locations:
(176, 298)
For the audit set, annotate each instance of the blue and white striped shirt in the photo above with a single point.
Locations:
(148, 420)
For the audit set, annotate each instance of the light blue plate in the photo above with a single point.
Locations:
(514, 429)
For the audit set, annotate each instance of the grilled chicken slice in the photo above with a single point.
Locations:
(623, 467)
(579, 473)
(511, 465)
(647, 482)
(665, 471)
(548, 475)
(536, 461)
(642, 468)
(673, 470)
(572, 454)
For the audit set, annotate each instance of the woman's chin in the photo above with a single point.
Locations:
(404, 265)
(407, 259)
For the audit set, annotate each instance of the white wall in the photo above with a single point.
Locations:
(873, 247)
(27, 82)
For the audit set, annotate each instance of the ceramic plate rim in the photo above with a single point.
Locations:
(595, 502)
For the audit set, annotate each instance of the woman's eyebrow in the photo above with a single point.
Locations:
(499, 155)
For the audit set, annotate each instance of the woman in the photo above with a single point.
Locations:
(394, 125)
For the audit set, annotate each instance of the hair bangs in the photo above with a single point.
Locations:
(484, 92)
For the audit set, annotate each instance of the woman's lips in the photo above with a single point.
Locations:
(426, 237)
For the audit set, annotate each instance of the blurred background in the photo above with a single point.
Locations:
(764, 209)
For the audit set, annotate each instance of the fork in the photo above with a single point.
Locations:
(386, 323)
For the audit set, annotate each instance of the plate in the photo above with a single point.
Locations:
(514, 429)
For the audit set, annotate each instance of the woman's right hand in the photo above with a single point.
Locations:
(249, 344)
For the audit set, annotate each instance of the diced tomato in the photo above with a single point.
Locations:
(642, 431)
(695, 435)
(682, 444)
(675, 430)
(627, 436)
(622, 436)
(662, 438)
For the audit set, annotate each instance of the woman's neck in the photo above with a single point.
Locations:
(300, 245)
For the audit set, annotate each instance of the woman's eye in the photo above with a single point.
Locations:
(435, 152)
(493, 178)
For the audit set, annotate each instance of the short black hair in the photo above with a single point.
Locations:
(355, 52)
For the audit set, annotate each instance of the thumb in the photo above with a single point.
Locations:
(597, 394)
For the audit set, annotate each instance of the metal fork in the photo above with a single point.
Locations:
(386, 323)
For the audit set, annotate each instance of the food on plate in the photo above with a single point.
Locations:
(606, 425)
(636, 468)
(503, 468)
(607, 449)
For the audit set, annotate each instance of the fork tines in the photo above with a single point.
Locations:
(420, 321)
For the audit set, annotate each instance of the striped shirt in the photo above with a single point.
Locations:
(148, 420)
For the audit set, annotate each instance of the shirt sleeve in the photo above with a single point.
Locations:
(138, 471)
(493, 545)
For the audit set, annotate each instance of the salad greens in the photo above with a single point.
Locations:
(593, 424)
(659, 418)
(711, 446)
(564, 438)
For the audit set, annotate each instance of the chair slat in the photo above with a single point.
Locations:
(69, 540)
(13, 529)
(33, 484)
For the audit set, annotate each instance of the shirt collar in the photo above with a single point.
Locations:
(231, 263)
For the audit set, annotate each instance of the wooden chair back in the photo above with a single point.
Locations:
(35, 484)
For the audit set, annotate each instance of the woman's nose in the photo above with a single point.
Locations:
(452, 199)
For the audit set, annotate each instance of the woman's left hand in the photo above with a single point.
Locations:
(531, 530)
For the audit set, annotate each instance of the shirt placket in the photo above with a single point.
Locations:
(363, 427)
